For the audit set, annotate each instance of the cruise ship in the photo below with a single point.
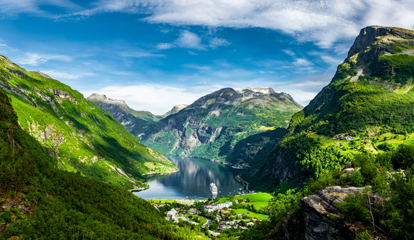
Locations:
(213, 189)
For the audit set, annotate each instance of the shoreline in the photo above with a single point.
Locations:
(138, 189)
(242, 181)
(160, 173)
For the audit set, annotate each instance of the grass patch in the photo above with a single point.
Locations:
(258, 200)
(251, 214)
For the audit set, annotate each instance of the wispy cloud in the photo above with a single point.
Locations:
(36, 59)
(67, 75)
(218, 42)
(301, 62)
(163, 46)
(140, 54)
(188, 39)
(197, 67)
(289, 52)
(12, 8)
(304, 89)
(191, 40)
(2, 43)
(323, 22)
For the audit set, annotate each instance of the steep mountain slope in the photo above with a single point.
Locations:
(136, 122)
(367, 107)
(38, 201)
(81, 135)
(213, 125)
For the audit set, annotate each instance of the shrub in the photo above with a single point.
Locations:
(363, 236)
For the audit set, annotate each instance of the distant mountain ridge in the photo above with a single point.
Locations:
(214, 124)
(82, 136)
(134, 121)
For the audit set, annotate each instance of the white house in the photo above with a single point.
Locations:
(216, 206)
(172, 215)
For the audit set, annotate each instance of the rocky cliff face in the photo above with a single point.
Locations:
(81, 136)
(212, 126)
(136, 122)
(367, 99)
(317, 220)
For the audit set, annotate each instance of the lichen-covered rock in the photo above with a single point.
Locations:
(321, 217)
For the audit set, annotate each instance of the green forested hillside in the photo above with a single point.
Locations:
(39, 201)
(357, 132)
(80, 134)
(384, 208)
(367, 108)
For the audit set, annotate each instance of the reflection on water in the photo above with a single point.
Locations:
(193, 180)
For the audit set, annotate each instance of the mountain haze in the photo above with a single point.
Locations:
(81, 135)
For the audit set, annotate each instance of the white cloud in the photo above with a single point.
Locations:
(289, 52)
(303, 91)
(188, 39)
(331, 61)
(266, 72)
(163, 46)
(301, 62)
(35, 59)
(218, 42)
(2, 43)
(197, 67)
(139, 54)
(11, 8)
(323, 22)
(191, 40)
(151, 97)
(67, 75)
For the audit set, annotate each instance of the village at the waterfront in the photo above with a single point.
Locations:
(217, 217)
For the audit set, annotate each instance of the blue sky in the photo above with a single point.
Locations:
(159, 53)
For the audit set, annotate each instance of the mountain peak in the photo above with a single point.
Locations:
(96, 97)
(230, 96)
(266, 91)
(175, 109)
(371, 34)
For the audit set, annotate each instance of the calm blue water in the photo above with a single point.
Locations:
(193, 180)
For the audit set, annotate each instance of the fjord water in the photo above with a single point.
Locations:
(192, 180)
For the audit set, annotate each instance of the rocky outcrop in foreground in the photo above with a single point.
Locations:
(317, 219)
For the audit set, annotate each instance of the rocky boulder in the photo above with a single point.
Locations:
(321, 216)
